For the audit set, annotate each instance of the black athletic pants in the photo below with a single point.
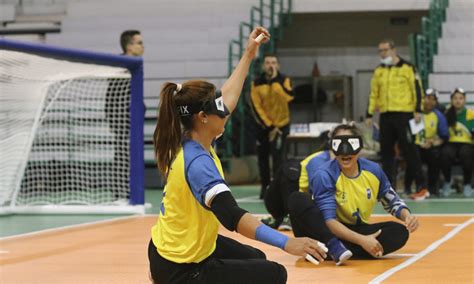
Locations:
(285, 182)
(231, 262)
(394, 127)
(308, 221)
(464, 153)
(431, 157)
(265, 148)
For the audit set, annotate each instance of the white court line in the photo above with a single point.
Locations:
(451, 225)
(250, 199)
(4, 252)
(441, 200)
(421, 254)
(67, 227)
(398, 255)
(433, 214)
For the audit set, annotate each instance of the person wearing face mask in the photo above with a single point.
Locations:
(396, 93)
(344, 193)
(270, 95)
(461, 130)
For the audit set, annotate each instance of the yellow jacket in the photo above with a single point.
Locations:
(395, 88)
(269, 100)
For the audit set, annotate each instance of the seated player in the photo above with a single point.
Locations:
(459, 147)
(345, 191)
(291, 176)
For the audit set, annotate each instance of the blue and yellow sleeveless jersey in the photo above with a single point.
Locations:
(435, 125)
(352, 200)
(308, 168)
(186, 229)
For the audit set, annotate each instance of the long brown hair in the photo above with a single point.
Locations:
(451, 115)
(168, 131)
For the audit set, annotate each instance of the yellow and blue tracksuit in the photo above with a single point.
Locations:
(435, 126)
(460, 146)
(352, 200)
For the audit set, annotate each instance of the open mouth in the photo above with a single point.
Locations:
(346, 159)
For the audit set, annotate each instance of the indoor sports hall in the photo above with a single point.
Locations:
(84, 87)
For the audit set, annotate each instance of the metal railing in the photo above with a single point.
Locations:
(273, 15)
(424, 46)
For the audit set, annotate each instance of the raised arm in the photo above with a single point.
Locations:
(232, 88)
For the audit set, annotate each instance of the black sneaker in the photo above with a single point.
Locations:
(285, 224)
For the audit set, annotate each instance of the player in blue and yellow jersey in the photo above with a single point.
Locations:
(292, 175)
(429, 142)
(185, 246)
(345, 191)
(461, 130)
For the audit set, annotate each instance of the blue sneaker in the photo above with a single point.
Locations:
(338, 252)
(446, 190)
(467, 191)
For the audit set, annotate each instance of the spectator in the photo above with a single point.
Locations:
(132, 43)
(429, 142)
(396, 93)
(461, 129)
(345, 192)
(117, 102)
(270, 94)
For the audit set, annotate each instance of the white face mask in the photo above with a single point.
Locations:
(387, 60)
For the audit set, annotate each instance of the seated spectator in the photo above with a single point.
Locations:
(345, 192)
(429, 142)
(461, 128)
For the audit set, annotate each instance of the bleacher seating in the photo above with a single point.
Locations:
(453, 66)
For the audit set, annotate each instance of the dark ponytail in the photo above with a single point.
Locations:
(167, 136)
(451, 116)
(168, 132)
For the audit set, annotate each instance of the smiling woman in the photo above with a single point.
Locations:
(345, 191)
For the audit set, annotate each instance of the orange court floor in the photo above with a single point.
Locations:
(115, 251)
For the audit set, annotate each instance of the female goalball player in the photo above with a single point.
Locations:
(185, 246)
(345, 191)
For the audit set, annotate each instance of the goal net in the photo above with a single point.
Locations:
(71, 131)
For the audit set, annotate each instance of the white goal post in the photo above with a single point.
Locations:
(71, 131)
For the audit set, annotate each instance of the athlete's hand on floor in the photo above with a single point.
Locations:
(304, 246)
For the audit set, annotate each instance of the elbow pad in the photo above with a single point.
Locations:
(226, 210)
